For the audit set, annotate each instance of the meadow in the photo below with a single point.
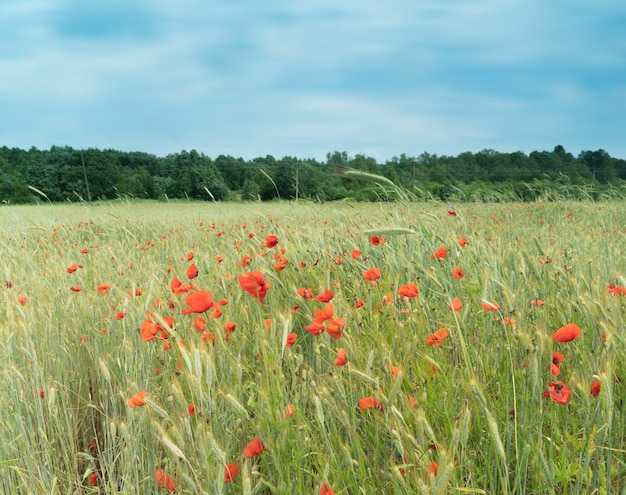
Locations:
(308, 348)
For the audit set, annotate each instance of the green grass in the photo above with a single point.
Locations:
(450, 404)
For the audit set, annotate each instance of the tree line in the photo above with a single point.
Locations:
(66, 174)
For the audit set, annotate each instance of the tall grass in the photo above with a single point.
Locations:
(474, 406)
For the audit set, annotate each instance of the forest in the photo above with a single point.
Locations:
(63, 173)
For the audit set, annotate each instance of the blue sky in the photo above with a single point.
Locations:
(304, 78)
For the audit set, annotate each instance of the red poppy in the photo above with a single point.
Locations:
(372, 274)
(191, 410)
(120, 315)
(281, 263)
(288, 411)
(456, 305)
(537, 302)
(199, 324)
(93, 479)
(254, 284)
(199, 302)
(462, 241)
(315, 328)
(305, 293)
(595, 388)
(254, 448)
(148, 331)
(458, 274)
(377, 240)
(433, 468)
(440, 254)
(325, 296)
(326, 313)
(341, 358)
(326, 490)
(557, 359)
(192, 271)
(230, 472)
(22, 300)
(229, 327)
(369, 403)
(436, 338)
(163, 480)
(356, 254)
(270, 241)
(334, 327)
(452, 213)
(76, 288)
(72, 268)
(291, 339)
(567, 332)
(559, 392)
(409, 290)
(491, 306)
(190, 256)
(359, 303)
(103, 287)
(208, 337)
(138, 399)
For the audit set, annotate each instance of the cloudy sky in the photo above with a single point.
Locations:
(302, 78)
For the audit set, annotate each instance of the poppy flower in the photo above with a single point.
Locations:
(440, 254)
(72, 268)
(341, 358)
(291, 339)
(192, 271)
(93, 479)
(103, 287)
(190, 256)
(377, 240)
(148, 331)
(458, 273)
(567, 333)
(557, 359)
(369, 403)
(199, 324)
(372, 274)
(230, 472)
(326, 490)
(245, 261)
(326, 313)
(270, 241)
(254, 448)
(208, 337)
(456, 305)
(191, 410)
(356, 254)
(254, 284)
(452, 213)
(359, 303)
(433, 467)
(394, 370)
(559, 392)
(21, 300)
(462, 241)
(305, 293)
(199, 302)
(334, 327)
(281, 263)
(325, 296)
(436, 338)
(595, 388)
(76, 288)
(138, 399)
(164, 481)
(179, 287)
(537, 302)
(491, 306)
(229, 327)
(120, 315)
(409, 290)
(315, 328)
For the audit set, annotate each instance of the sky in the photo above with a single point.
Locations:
(305, 78)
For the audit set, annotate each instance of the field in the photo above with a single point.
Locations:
(313, 349)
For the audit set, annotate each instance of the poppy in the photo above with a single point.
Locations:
(192, 271)
(395, 371)
(325, 296)
(199, 302)
(245, 261)
(567, 333)
(254, 284)
(377, 240)
(452, 213)
(537, 302)
(305, 293)
(410, 290)
(148, 331)
(288, 411)
(369, 403)
(595, 388)
(326, 490)
(21, 300)
(315, 328)
(557, 359)
(326, 313)
(191, 410)
(462, 241)
(334, 327)
(72, 268)
(190, 256)
(270, 241)
(120, 315)
(440, 254)
(208, 337)
(372, 274)
(229, 327)
(103, 287)
(254, 448)
(281, 263)
(456, 305)
(199, 324)
(559, 392)
(341, 358)
(359, 303)
(230, 472)
(356, 254)
(76, 288)
(163, 480)
(433, 468)
(436, 338)
(458, 273)
(93, 479)
(491, 306)
(291, 339)
(138, 399)
(216, 313)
